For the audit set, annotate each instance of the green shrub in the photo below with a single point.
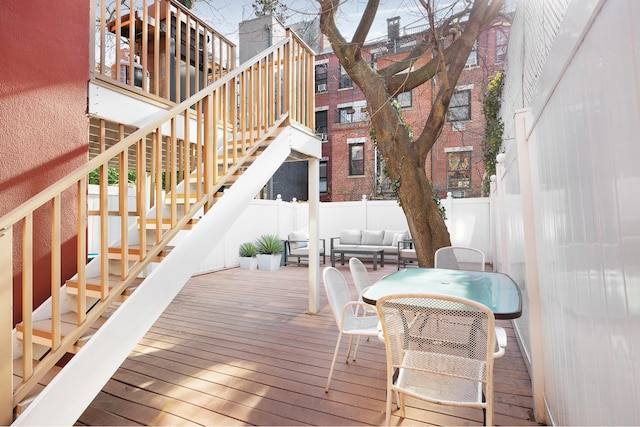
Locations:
(269, 244)
(247, 249)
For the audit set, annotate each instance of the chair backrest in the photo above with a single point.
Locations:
(443, 335)
(459, 258)
(338, 294)
(360, 275)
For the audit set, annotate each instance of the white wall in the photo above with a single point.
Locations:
(582, 136)
(468, 221)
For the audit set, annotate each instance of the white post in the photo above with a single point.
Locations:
(493, 222)
(314, 235)
(364, 211)
(504, 262)
(531, 263)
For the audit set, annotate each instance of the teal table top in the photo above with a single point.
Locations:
(495, 290)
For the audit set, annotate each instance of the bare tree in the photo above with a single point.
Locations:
(442, 53)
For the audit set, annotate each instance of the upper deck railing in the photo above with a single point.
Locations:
(158, 47)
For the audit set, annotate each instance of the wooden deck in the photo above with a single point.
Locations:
(239, 348)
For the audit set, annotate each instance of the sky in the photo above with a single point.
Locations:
(224, 16)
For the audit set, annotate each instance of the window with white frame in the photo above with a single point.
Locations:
(356, 156)
(458, 168)
(323, 177)
(472, 60)
(354, 112)
(321, 78)
(345, 81)
(501, 44)
(460, 106)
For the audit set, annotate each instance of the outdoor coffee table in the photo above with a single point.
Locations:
(375, 253)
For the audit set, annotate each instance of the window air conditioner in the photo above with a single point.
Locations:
(322, 87)
(458, 125)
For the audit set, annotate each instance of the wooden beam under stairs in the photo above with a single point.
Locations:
(94, 286)
(42, 330)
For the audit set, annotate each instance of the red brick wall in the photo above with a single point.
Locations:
(343, 187)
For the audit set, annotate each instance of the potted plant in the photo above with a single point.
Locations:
(269, 252)
(248, 252)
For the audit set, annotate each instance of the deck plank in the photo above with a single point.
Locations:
(238, 347)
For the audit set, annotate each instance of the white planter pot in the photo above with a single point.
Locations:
(269, 262)
(248, 263)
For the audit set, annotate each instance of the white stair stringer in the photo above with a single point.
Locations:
(72, 390)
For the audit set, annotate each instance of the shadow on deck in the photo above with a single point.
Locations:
(239, 348)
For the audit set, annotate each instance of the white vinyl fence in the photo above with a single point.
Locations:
(468, 220)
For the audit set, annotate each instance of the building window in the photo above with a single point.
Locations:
(356, 159)
(345, 79)
(323, 177)
(458, 170)
(345, 114)
(404, 99)
(460, 106)
(321, 124)
(356, 112)
(321, 78)
(472, 60)
(501, 45)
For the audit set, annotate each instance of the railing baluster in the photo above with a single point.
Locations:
(123, 207)
(6, 326)
(145, 46)
(56, 243)
(81, 258)
(27, 294)
(141, 193)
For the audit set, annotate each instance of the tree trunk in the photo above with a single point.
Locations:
(406, 166)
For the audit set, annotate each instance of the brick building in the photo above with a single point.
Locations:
(351, 165)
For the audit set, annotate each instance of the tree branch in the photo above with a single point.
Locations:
(365, 24)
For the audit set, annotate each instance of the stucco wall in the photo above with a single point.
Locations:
(43, 123)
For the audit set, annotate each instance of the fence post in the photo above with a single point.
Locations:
(522, 119)
(6, 326)
(504, 263)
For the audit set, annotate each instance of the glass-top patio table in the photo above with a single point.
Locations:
(495, 290)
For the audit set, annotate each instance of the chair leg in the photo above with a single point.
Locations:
(349, 348)
(333, 362)
(387, 420)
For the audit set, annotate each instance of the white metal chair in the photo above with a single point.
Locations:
(464, 258)
(344, 311)
(459, 258)
(361, 279)
(439, 349)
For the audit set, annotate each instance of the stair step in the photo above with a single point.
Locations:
(42, 330)
(94, 286)
(166, 223)
(33, 393)
(180, 198)
(134, 251)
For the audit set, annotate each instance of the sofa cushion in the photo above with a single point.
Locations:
(388, 237)
(398, 237)
(372, 237)
(350, 237)
(298, 239)
(304, 252)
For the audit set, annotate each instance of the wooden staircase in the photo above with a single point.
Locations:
(99, 314)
